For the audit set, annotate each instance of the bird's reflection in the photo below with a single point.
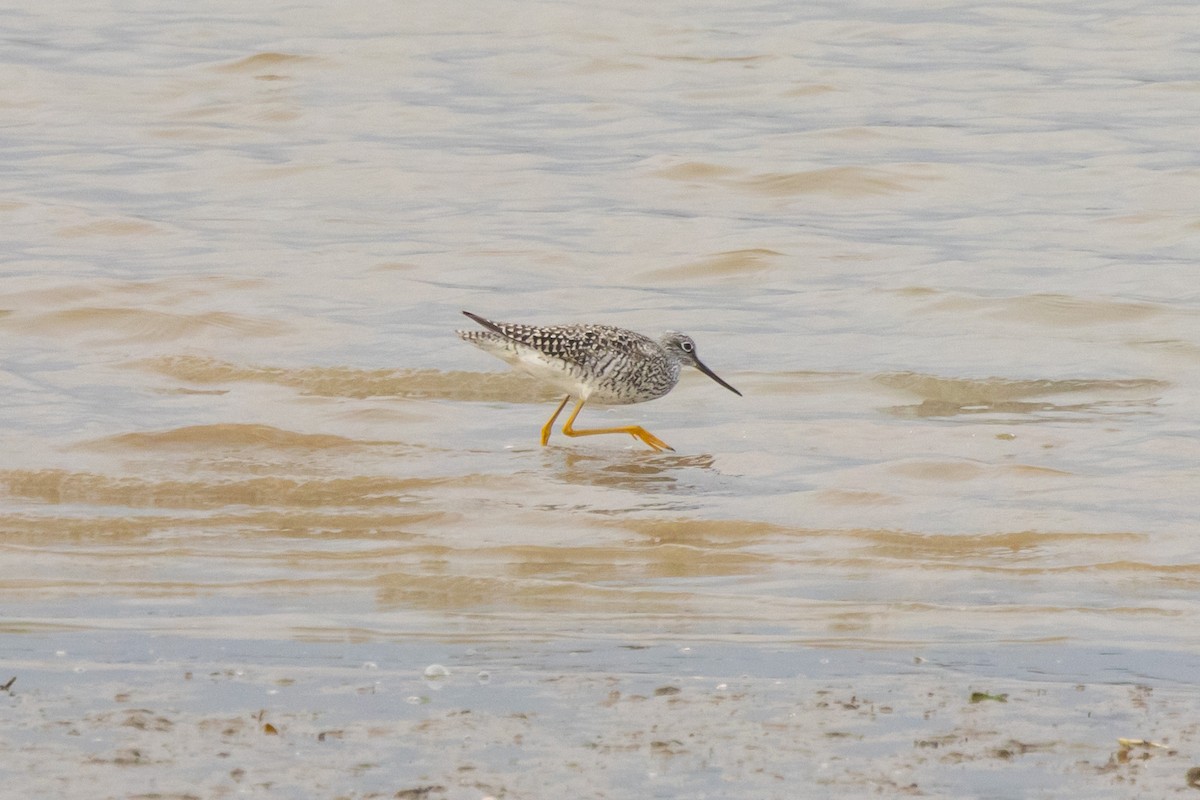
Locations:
(638, 472)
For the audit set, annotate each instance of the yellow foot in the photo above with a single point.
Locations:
(550, 422)
(636, 431)
(649, 438)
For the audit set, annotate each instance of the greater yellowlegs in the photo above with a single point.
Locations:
(607, 365)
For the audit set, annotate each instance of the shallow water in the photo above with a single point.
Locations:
(251, 478)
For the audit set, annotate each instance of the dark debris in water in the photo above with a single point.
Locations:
(980, 697)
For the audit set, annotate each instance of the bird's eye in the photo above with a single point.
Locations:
(686, 346)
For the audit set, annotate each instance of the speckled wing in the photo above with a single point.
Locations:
(584, 345)
(608, 364)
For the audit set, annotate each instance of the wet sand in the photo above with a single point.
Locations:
(594, 720)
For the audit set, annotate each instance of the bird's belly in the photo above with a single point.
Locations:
(573, 380)
(565, 377)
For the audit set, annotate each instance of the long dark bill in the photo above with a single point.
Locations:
(713, 375)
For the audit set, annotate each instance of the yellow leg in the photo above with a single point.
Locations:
(546, 428)
(635, 431)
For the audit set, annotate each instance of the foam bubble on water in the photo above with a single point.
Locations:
(435, 676)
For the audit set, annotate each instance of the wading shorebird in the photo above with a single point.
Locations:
(606, 365)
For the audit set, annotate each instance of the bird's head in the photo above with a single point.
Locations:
(681, 347)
